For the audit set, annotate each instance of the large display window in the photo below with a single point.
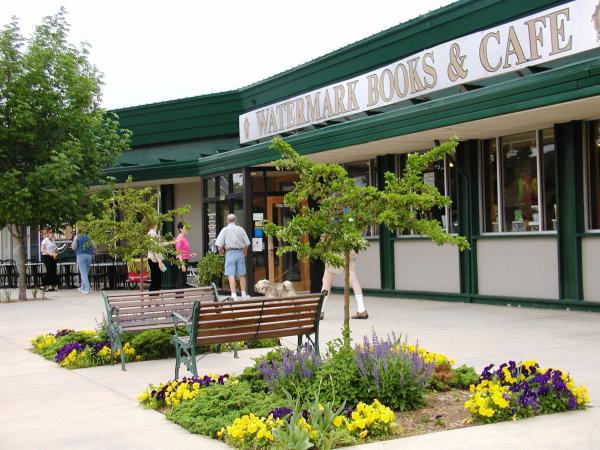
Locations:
(518, 174)
(593, 166)
(443, 175)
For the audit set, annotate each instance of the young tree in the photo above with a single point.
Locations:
(124, 219)
(344, 211)
(54, 137)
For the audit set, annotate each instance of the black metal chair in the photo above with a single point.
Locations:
(33, 273)
(9, 275)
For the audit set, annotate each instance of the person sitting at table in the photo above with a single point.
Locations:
(50, 281)
(84, 251)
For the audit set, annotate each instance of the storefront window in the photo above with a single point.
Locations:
(238, 182)
(519, 157)
(594, 176)
(211, 216)
(210, 187)
(490, 186)
(549, 186)
(223, 186)
(442, 175)
(359, 171)
(521, 173)
(453, 194)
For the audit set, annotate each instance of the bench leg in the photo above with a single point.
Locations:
(116, 344)
(235, 352)
(177, 361)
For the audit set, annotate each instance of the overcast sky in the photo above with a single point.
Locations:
(151, 51)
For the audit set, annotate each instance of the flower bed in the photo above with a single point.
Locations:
(356, 394)
(515, 391)
(88, 348)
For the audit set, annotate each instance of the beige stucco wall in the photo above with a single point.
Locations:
(518, 267)
(590, 255)
(367, 268)
(189, 194)
(420, 265)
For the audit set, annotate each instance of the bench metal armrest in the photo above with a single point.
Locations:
(178, 318)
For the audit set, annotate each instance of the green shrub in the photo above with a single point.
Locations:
(262, 343)
(153, 344)
(219, 406)
(464, 376)
(338, 376)
(210, 269)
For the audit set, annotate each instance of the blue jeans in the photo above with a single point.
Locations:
(84, 261)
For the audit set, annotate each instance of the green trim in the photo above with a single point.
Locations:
(547, 88)
(385, 164)
(155, 172)
(569, 194)
(526, 235)
(468, 212)
(567, 304)
(167, 203)
(588, 233)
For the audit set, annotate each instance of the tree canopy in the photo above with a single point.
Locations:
(55, 139)
(332, 210)
(123, 219)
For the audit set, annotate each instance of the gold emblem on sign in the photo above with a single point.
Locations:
(246, 128)
(596, 20)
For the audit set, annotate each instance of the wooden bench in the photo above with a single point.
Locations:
(135, 312)
(245, 320)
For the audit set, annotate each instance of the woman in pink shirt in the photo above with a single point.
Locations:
(182, 247)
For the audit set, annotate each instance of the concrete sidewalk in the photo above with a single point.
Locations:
(46, 407)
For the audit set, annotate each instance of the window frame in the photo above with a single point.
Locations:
(500, 177)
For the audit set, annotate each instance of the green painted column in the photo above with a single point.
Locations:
(569, 163)
(385, 163)
(468, 213)
(167, 202)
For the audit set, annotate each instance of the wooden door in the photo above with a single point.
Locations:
(286, 267)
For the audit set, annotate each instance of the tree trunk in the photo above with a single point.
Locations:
(347, 292)
(20, 233)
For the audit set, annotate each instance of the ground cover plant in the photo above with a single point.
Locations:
(89, 348)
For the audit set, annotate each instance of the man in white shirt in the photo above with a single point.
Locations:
(233, 242)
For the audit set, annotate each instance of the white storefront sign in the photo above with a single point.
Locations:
(561, 31)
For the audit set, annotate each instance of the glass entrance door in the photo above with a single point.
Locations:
(286, 267)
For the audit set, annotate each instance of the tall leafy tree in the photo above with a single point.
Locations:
(122, 220)
(54, 136)
(340, 212)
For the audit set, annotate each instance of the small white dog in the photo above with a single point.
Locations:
(274, 290)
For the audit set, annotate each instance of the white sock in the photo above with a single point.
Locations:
(243, 293)
(360, 302)
(233, 295)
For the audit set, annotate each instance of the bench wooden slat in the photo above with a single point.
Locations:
(166, 301)
(233, 314)
(166, 308)
(242, 305)
(153, 326)
(145, 294)
(231, 323)
(251, 336)
(291, 326)
(127, 324)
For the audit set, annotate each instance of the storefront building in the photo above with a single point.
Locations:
(517, 82)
